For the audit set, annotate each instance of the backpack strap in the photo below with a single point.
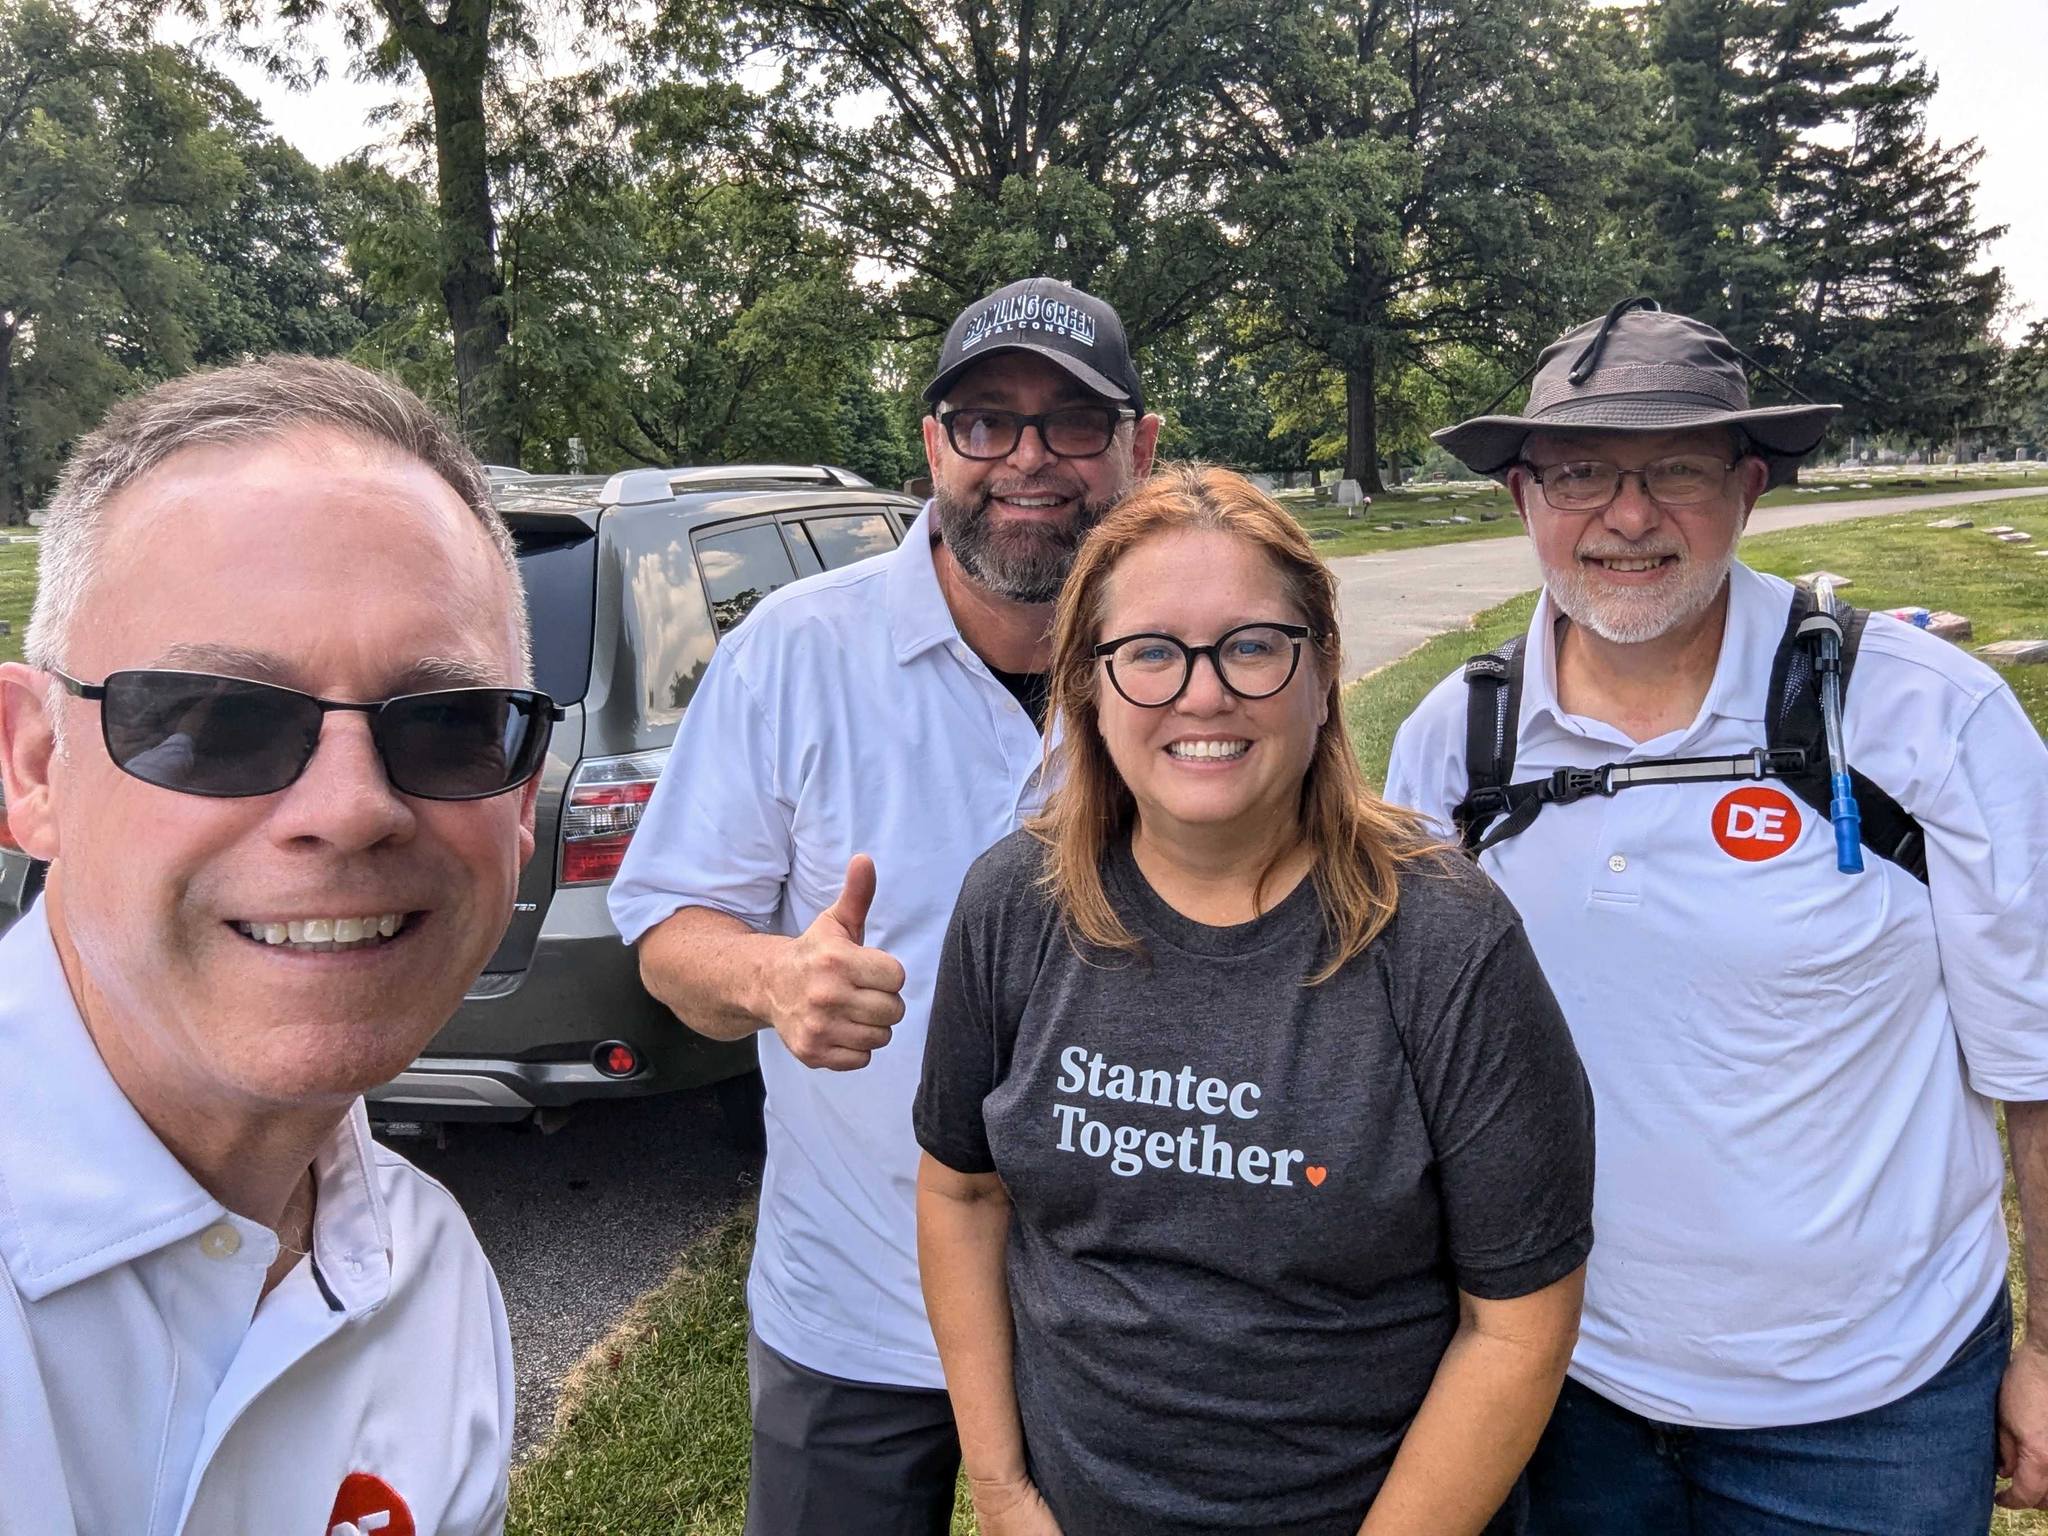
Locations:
(1493, 706)
(1794, 721)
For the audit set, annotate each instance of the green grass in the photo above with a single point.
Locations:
(1411, 504)
(652, 1432)
(17, 589)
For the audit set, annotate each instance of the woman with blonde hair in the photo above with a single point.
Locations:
(1258, 1163)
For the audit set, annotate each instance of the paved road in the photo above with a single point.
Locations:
(1391, 603)
(578, 1224)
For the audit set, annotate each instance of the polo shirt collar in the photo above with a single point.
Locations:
(919, 617)
(86, 1186)
(1742, 672)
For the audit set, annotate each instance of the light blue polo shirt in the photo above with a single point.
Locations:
(845, 715)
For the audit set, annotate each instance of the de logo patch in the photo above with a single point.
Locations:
(369, 1506)
(1756, 823)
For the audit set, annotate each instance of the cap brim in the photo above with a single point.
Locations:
(1781, 434)
(936, 390)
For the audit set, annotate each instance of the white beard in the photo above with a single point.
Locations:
(1632, 615)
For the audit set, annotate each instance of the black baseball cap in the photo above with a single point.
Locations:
(1057, 321)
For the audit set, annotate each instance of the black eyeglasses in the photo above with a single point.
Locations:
(1254, 661)
(1587, 485)
(229, 737)
(1071, 432)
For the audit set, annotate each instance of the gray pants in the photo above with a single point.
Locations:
(846, 1458)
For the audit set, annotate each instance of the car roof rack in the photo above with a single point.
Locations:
(637, 487)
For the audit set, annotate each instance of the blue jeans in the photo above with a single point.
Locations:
(1921, 1466)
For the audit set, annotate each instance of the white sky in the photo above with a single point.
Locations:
(1986, 53)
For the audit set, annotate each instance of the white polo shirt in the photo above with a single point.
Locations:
(144, 1389)
(845, 715)
(1796, 1210)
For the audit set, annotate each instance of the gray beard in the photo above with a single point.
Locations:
(1027, 563)
(1624, 618)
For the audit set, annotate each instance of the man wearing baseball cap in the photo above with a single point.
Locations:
(853, 747)
(1796, 1314)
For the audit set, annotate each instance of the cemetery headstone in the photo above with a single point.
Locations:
(1952, 522)
(1812, 576)
(1349, 494)
(2016, 537)
(2016, 653)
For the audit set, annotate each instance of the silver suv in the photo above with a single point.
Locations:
(631, 580)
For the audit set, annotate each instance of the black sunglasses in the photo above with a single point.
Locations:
(229, 737)
(1071, 432)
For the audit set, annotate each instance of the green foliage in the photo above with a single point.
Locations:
(1418, 180)
(148, 222)
(668, 307)
(1063, 137)
(1797, 202)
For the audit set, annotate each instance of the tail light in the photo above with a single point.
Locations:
(605, 801)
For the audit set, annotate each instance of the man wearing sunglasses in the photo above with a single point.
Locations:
(1796, 1313)
(855, 744)
(275, 739)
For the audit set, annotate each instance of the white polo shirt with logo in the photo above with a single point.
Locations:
(1796, 1210)
(845, 715)
(144, 1388)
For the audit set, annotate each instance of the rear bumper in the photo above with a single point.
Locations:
(524, 1040)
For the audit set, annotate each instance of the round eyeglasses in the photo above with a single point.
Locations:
(1253, 661)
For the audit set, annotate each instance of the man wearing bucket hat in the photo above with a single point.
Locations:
(853, 747)
(1796, 1313)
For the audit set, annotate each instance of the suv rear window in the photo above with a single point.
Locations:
(741, 566)
(559, 566)
(844, 538)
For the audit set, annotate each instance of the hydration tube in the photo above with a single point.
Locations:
(1842, 811)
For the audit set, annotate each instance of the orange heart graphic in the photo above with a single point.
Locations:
(1316, 1174)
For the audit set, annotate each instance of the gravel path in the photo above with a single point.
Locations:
(579, 1223)
(1391, 603)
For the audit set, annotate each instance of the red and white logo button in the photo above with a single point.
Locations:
(369, 1506)
(1756, 823)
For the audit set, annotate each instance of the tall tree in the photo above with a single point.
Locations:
(1797, 201)
(1421, 175)
(461, 51)
(1013, 138)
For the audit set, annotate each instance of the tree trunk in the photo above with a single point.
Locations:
(1361, 425)
(11, 509)
(470, 281)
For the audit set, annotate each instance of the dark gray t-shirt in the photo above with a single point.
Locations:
(1242, 1206)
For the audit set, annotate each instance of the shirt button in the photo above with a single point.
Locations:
(1616, 863)
(220, 1241)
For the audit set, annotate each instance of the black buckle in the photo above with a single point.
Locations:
(1569, 784)
(1484, 804)
(1779, 762)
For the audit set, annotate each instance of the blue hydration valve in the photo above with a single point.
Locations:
(1842, 809)
(1848, 827)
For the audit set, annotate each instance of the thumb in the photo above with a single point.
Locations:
(850, 911)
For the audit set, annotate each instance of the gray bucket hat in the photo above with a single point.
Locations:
(1639, 369)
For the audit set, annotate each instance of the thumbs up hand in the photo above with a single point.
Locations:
(832, 1000)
